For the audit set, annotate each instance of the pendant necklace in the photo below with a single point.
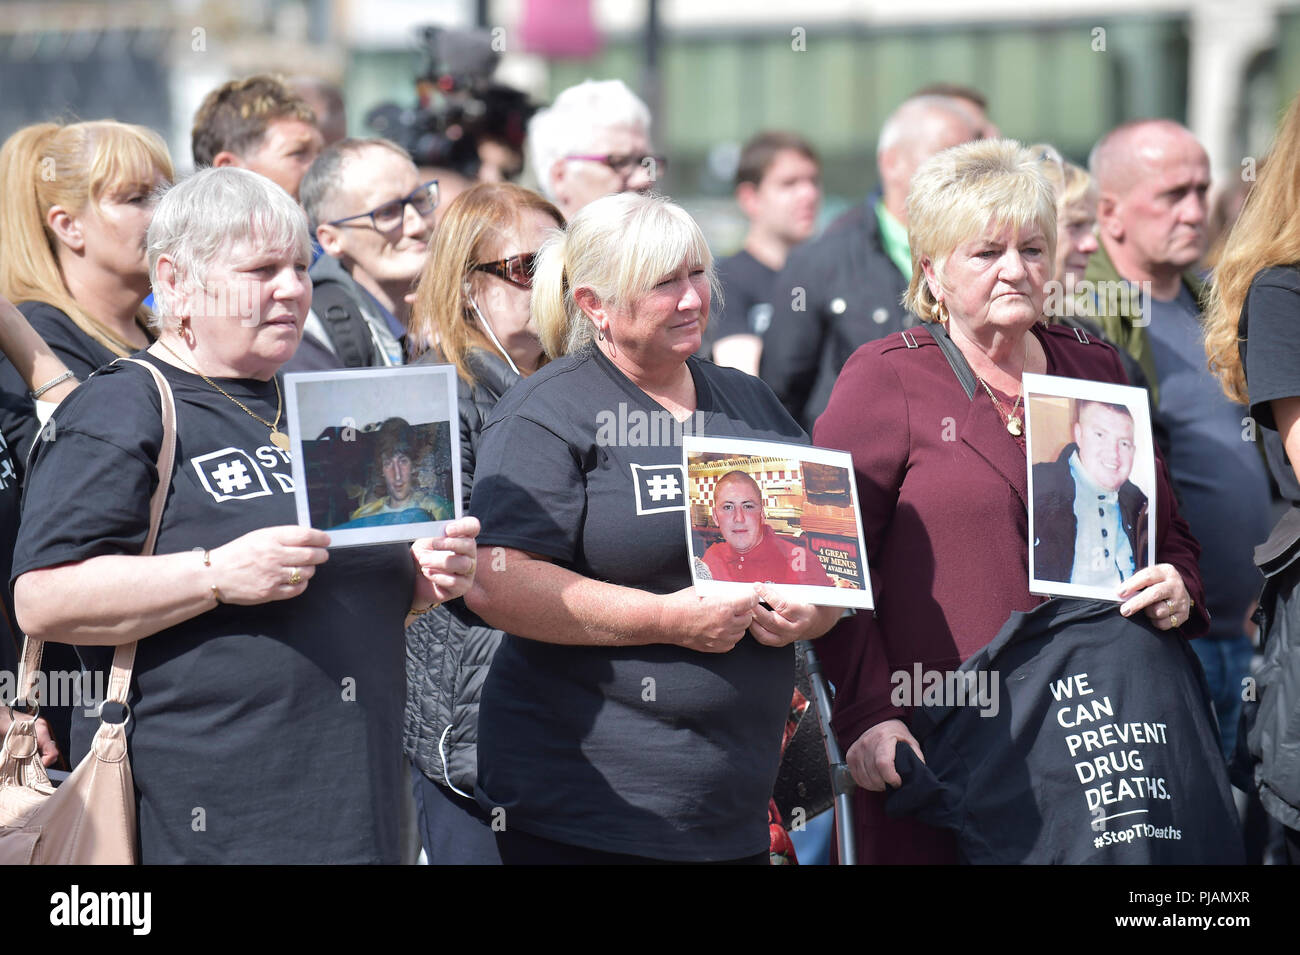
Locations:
(278, 438)
(1013, 422)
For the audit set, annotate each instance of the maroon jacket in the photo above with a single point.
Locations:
(943, 489)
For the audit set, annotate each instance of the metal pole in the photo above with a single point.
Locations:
(650, 69)
(842, 784)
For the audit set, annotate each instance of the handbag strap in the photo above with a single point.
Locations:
(119, 680)
(965, 375)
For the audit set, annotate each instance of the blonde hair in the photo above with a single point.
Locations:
(70, 166)
(471, 229)
(959, 193)
(1267, 233)
(619, 246)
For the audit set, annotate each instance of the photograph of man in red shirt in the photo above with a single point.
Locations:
(750, 551)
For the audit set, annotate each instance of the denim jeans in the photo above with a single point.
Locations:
(1227, 664)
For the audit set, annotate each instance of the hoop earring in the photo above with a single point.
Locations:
(600, 334)
(939, 313)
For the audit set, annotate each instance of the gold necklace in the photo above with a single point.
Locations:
(1013, 423)
(279, 439)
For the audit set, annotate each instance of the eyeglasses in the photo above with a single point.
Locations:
(626, 165)
(517, 270)
(390, 216)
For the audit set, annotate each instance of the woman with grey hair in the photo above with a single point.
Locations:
(934, 420)
(625, 718)
(594, 140)
(266, 705)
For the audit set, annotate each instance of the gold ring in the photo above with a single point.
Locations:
(1173, 620)
(1170, 604)
(295, 577)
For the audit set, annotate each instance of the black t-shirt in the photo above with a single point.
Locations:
(655, 751)
(10, 491)
(17, 414)
(746, 306)
(258, 734)
(1270, 321)
(18, 427)
(82, 354)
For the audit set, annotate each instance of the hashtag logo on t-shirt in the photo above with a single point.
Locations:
(658, 488)
(663, 486)
(230, 475)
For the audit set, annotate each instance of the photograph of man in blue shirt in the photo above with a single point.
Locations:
(1090, 520)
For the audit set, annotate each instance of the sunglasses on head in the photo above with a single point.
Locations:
(517, 270)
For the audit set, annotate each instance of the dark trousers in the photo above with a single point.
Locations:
(520, 848)
(454, 830)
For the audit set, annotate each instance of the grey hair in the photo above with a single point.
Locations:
(912, 120)
(619, 246)
(204, 216)
(323, 180)
(572, 122)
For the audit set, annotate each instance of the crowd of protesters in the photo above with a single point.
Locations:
(522, 640)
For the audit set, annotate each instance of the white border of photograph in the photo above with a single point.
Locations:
(1143, 474)
(820, 596)
(420, 394)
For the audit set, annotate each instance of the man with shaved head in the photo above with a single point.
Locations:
(1153, 176)
(844, 288)
(750, 551)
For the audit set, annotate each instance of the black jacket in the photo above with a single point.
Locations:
(1268, 741)
(336, 301)
(1055, 525)
(836, 293)
(1026, 785)
(449, 649)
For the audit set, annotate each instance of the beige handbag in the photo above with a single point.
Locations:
(90, 818)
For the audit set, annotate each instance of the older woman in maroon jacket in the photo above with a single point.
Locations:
(941, 465)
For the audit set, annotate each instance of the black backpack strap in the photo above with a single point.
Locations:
(955, 358)
(347, 328)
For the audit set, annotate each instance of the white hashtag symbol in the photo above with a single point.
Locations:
(231, 476)
(661, 486)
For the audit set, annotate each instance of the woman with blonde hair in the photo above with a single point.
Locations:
(944, 511)
(625, 718)
(471, 310)
(78, 199)
(1252, 339)
(1076, 215)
